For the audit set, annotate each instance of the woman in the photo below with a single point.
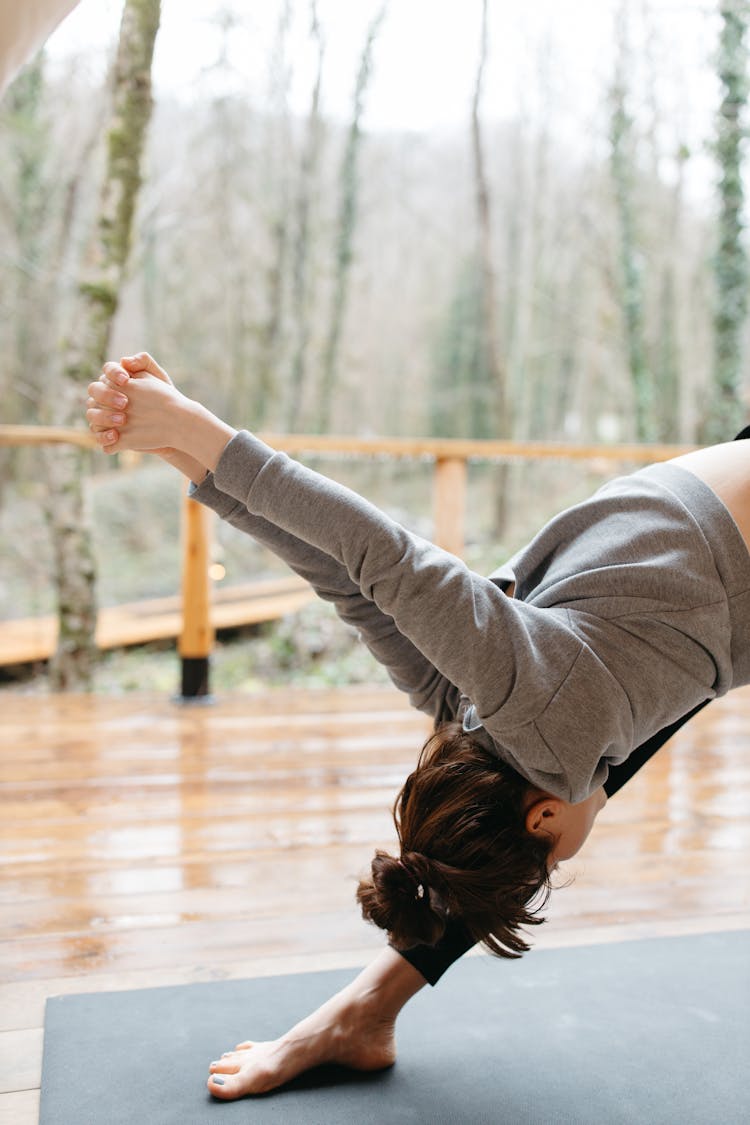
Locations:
(549, 683)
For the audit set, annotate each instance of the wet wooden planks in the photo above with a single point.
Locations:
(146, 843)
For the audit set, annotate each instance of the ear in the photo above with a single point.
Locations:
(543, 816)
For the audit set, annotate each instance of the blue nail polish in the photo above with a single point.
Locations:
(218, 1081)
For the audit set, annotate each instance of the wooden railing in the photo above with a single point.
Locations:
(450, 458)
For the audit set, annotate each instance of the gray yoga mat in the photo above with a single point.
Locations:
(650, 1032)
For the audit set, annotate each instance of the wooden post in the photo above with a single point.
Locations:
(197, 635)
(450, 503)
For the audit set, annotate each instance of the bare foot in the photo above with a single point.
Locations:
(348, 1030)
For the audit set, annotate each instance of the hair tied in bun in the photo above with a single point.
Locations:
(419, 891)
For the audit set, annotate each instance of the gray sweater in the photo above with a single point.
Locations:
(622, 621)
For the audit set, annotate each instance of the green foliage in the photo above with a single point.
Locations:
(101, 294)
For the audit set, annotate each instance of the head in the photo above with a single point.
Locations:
(477, 841)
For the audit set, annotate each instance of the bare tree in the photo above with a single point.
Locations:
(491, 361)
(488, 287)
(278, 159)
(731, 272)
(346, 225)
(29, 154)
(309, 163)
(23, 203)
(622, 162)
(86, 347)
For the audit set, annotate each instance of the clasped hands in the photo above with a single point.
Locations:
(135, 405)
(131, 405)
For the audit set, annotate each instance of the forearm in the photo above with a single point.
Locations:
(366, 557)
(408, 668)
(463, 624)
(435, 602)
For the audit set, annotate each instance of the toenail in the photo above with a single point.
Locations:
(218, 1081)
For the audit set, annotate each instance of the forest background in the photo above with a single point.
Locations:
(478, 219)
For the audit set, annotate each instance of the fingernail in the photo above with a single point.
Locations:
(120, 400)
(217, 1080)
(111, 436)
(120, 377)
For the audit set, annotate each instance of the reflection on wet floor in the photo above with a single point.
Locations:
(139, 835)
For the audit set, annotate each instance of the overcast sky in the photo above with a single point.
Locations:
(427, 50)
(550, 58)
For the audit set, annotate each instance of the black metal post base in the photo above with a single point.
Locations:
(195, 676)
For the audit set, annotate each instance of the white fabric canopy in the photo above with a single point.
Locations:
(24, 26)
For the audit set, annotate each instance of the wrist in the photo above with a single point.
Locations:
(185, 464)
(199, 434)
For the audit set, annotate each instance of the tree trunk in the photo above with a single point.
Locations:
(278, 161)
(300, 273)
(631, 281)
(86, 348)
(726, 413)
(29, 158)
(345, 228)
(490, 348)
(488, 287)
(669, 387)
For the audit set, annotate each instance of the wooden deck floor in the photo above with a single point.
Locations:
(144, 843)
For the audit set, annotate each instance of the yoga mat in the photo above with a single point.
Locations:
(650, 1032)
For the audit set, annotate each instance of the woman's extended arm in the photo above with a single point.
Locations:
(511, 658)
(410, 671)
(461, 622)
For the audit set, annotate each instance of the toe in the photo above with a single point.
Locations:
(224, 1066)
(224, 1088)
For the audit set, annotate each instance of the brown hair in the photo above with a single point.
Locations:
(465, 851)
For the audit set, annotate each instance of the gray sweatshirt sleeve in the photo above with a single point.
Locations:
(495, 650)
(410, 671)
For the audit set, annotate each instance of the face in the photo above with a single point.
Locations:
(576, 821)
